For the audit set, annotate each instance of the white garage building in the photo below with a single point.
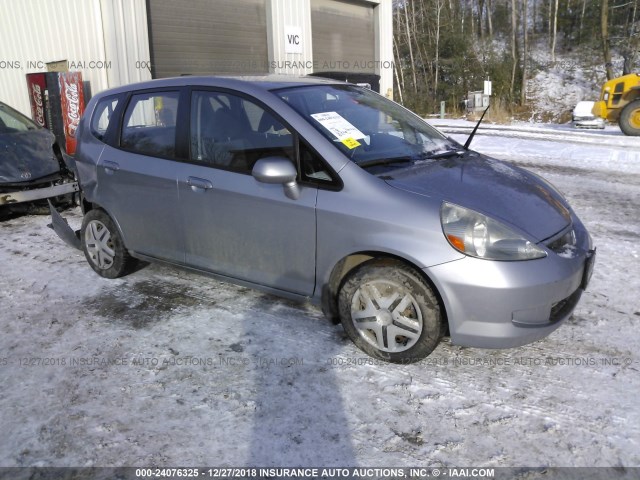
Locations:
(115, 42)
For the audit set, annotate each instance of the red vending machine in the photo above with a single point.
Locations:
(57, 103)
(37, 89)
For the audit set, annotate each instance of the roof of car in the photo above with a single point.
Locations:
(264, 82)
(583, 108)
(272, 81)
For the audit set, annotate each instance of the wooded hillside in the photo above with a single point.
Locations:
(445, 48)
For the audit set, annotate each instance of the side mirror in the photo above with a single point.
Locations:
(278, 170)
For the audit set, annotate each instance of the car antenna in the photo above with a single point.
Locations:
(473, 133)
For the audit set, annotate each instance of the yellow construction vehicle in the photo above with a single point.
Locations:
(620, 102)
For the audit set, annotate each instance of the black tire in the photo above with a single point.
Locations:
(630, 119)
(99, 237)
(403, 335)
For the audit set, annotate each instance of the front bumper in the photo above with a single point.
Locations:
(49, 186)
(21, 196)
(493, 304)
(589, 123)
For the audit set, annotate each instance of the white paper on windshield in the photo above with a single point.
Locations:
(338, 126)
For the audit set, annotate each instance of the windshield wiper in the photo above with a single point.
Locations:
(443, 154)
(410, 159)
(385, 161)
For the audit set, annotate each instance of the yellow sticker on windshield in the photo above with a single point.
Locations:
(351, 143)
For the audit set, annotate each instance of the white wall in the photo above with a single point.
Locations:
(126, 40)
(280, 15)
(297, 13)
(384, 46)
(108, 41)
(103, 38)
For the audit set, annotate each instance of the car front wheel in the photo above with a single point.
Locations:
(103, 246)
(390, 312)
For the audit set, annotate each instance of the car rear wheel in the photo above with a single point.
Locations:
(390, 312)
(103, 246)
(630, 118)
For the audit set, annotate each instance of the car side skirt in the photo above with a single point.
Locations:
(227, 279)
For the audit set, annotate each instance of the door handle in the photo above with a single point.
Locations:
(199, 184)
(110, 167)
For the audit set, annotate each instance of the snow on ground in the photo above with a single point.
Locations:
(556, 86)
(167, 368)
(596, 149)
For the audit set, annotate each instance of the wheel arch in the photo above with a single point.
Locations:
(87, 206)
(340, 271)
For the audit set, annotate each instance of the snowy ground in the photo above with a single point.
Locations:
(98, 373)
(555, 87)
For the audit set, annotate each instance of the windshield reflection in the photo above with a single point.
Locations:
(370, 129)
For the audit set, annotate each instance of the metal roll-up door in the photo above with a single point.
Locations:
(207, 37)
(343, 35)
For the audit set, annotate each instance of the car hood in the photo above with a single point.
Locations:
(504, 192)
(27, 156)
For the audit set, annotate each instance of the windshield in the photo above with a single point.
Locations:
(365, 126)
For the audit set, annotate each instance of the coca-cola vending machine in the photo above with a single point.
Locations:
(57, 103)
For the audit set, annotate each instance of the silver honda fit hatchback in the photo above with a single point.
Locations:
(321, 190)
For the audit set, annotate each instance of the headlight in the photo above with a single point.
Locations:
(479, 236)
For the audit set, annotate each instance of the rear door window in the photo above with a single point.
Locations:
(149, 124)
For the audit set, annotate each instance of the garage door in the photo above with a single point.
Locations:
(343, 36)
(207, 37)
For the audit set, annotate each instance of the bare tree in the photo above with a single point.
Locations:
(584, 8)
(463, 13)
(514, 43)
(555, 32)
(606, 43)
(549, 21)
(631, 46)
(410, 45)
(439, 6)
(525, 28)
(472, 22)
(398, 69)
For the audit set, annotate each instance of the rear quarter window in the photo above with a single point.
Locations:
(102, 116)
